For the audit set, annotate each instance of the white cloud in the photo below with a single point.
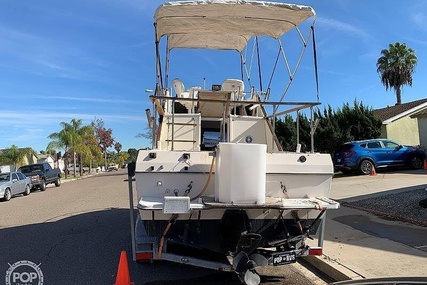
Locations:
(47, 57)
(370, 56)
(416, 41)
(344, 28)
(420, 20)
(14, 119)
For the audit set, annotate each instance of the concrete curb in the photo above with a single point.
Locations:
(332, 269)
(69, 179)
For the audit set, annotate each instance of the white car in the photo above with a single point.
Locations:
(12, 183)
(112, 167)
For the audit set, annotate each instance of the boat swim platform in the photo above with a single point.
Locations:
(207, 203)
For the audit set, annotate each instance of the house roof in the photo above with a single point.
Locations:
(44, 156)
(422, 113)
(3, 150)
(390, 114)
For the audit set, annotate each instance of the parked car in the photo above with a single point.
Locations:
(362, 155)
(12, 183)
(112, 167)
(42, 174)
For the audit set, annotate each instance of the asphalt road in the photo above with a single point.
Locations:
(75, 233)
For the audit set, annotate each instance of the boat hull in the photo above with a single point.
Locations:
(222, 235)
(184, 217)
(168, 173)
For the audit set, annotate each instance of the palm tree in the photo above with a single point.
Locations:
(61, 140)
(72, 138)
(81, 141)
(15, 155)
(396, 66)
(118, 147)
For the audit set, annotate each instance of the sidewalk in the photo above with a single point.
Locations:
(71, 177)
(349, 253)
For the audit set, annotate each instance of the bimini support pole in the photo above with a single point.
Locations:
(158, 63)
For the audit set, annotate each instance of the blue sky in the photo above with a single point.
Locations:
(95, 58)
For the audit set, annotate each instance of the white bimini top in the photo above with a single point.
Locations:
(225, 24)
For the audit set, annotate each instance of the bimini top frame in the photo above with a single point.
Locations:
(229, 25)
(225, 24)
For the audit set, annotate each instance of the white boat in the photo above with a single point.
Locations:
(216, 190)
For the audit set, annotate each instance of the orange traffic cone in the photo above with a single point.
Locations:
(373, 173)
(425, 165)
(123, 274)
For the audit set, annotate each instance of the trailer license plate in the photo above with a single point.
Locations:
(284, 258)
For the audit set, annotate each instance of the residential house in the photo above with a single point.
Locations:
(421, 117)
(401, 122)
(46, 158)
(28, 159)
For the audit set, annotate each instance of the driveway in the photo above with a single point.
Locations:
(351, 188)
(364, 243)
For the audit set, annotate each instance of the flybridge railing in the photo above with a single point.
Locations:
(294, 107)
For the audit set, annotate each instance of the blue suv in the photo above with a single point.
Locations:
(361, 155)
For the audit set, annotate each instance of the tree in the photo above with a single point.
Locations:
(396, 66)
(81, 137)
(15, 155)
(148, 134)
(93, 153)
(133, 154)
(335, 127)
(104, 137)
(286, 131)
(61, 140)
(118, 147)
(328, 133)
(72, 138)
(122, 157)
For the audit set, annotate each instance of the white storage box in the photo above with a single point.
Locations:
(240, 173)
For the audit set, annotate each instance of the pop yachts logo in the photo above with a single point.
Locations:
(24, 272)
